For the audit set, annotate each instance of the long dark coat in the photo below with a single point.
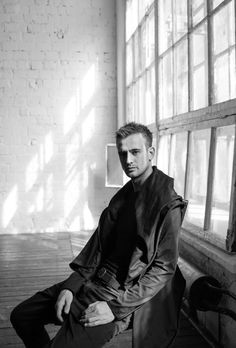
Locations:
(154, 284)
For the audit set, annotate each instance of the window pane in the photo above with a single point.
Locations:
(136, 55)
(129, 103)
(163, 153)
(141, 100)
(199, 72)
(135, 102)
(197, 180)
(180, 19)
(150, 94)
(131, 17)
(215, 3)
(178, 160)
(129, 62)
(198, 11)
(165, 25)
(224, 53)
(147, 42)
(181, 77)
(150, 48)
(222, 179)
(143, 46)
(166, 86)
(144, 5)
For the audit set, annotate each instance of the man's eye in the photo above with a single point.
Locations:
(122, 154)
(135, 152)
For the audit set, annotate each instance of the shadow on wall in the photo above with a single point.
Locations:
(59, 177)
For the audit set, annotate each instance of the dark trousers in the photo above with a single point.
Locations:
(30, 317)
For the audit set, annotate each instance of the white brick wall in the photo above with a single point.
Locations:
(57, 112)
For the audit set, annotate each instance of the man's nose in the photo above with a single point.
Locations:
(129, 158)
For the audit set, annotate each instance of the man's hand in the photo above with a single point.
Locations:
(97, 313)
(63, 303)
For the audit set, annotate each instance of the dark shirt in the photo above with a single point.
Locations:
(125, 234)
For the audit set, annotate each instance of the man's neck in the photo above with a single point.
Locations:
(139, 181)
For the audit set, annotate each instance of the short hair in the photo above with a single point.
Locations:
(134, 128)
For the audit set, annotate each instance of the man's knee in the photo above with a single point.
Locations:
(16, 316)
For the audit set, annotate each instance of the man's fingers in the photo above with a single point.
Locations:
(59, 311)
(96, 322)
(67, 307)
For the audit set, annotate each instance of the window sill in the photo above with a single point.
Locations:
(213, 252)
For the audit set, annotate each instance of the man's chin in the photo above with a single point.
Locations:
(131, 174)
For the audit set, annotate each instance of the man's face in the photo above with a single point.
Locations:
(135, 156)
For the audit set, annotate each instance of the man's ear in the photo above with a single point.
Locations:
(151, 153)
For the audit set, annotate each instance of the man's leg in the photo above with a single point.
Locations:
(30, 316)
(73, 335)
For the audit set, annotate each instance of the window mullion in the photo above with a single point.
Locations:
(210, 180)
(156, 59)
(231, 233)
(187, 166)
(189, 57)
(210, 54)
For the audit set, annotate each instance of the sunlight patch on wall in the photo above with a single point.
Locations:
(88, 127)
(49, 193)
(85, 178)
(40, 199)
(88, 86)
(71, 195)
(75, 225)
(72, 177)
(48, 146)
(88, 218)
(10, 206)
(70, 113)
(32, 172)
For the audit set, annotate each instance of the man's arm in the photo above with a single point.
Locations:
(85, 265)
(159, 273)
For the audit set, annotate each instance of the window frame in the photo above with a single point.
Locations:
(212, 116)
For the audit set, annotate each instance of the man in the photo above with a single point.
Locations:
(127, 270)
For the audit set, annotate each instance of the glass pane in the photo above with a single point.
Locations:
(180, 19)
(215, 3)
(129, 103)
(163, 153)
(166, 86)
(143, 44)
(150, 48)
(150, 100)
(199, 67)
(224, 53)
(198, 11)
(136, 55)
(144, 5)
(178, 160)
(165, 25)
(181, 77)
(135, 102)
(147, 42)
(222, 179)
(129, 62)
(197, 180)
(131, 17)
(141, 100)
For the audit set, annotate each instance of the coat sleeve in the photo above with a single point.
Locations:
(157, 275)
(84, 265)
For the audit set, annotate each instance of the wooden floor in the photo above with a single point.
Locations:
(32, 262)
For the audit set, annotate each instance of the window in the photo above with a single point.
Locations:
(140, 58)
(181, 81)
